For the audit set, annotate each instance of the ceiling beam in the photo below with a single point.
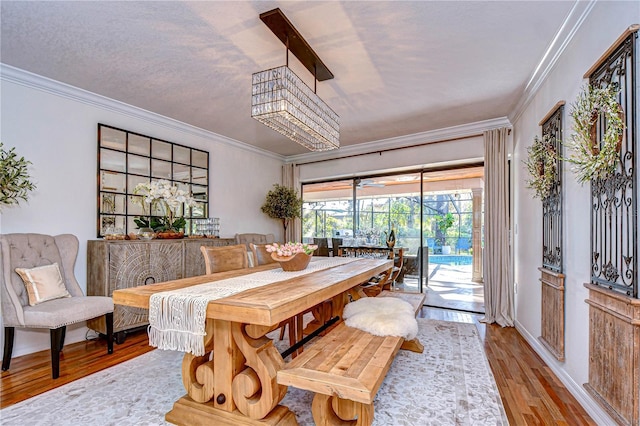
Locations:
(290, 37)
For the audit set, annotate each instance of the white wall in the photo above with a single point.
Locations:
(432, 154)
(58, 135)
(601, 28)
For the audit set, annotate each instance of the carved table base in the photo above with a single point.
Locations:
(187, 412)
(235, 384)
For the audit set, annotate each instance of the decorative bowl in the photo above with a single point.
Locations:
(297, 262)
(169, 235)
(146, 234)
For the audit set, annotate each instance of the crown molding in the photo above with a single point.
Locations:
(34, 81)
(556, 48)
(454, 132)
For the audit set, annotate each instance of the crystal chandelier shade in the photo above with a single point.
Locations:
(282, 101)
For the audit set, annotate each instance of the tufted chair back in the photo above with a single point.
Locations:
(29, 251)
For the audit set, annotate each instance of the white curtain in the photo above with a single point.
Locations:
(498, 286)
(291, 179)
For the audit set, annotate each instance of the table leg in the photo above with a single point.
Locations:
(238, 385)
(255, 389)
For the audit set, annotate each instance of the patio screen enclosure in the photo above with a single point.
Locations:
(429, 211)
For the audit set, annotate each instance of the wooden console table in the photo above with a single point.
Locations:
(238, 385)
(118, 264)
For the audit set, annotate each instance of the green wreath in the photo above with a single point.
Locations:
(542, 166)
(592, 159)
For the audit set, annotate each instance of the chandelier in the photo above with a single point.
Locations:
(283, 102)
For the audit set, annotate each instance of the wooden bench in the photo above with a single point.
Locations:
(416, 300)
(345, 369)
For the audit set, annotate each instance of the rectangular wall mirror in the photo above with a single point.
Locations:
(126, 159)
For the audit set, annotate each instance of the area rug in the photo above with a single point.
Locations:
(449, 384)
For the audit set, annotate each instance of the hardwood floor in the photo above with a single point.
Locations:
(531, 393)
(30, 375)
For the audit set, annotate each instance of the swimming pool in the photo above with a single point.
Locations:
(451, 259)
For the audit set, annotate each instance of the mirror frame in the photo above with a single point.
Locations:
(113, 203)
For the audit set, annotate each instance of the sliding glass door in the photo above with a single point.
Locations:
(452, 238)
(327, 211)
(431, 214)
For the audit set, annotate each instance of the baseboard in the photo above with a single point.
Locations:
(597, 413)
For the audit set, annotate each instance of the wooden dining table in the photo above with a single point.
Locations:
(236, 383)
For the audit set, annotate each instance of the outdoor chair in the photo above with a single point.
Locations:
(40, 290)
(335, 246)
(323, 247)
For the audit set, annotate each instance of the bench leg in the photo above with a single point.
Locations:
(413, 345)
(333, 411)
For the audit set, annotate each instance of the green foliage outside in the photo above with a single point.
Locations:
(15, 182)
(443, 223)
(323, 218)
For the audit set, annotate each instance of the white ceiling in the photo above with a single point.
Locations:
(400, 67)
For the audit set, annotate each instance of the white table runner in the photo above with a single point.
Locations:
(177, 318)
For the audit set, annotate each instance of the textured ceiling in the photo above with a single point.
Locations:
(400, 67)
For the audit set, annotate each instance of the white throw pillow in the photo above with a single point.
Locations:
(43, 283)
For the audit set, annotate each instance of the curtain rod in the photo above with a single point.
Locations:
(379, 152)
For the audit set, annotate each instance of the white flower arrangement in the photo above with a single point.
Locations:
(593, 160)
(541, 164)
(290, 249)
(169, 198)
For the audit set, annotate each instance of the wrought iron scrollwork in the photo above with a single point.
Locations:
(614, 199)
(552, 204)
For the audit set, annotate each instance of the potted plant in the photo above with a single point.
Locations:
(443, 222)
(15, 182)
(163, 198)
(282, 203)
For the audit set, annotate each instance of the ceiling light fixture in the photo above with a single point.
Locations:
(282, 101)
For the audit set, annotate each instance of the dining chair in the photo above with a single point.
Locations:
(249, 238)
(260, 254)
(39, 290)
(262, 257)
(398, 264)
(229, 258)
(222, 259)
(335, 246)
(323, 247)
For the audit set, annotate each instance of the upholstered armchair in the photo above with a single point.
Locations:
(39, 290)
